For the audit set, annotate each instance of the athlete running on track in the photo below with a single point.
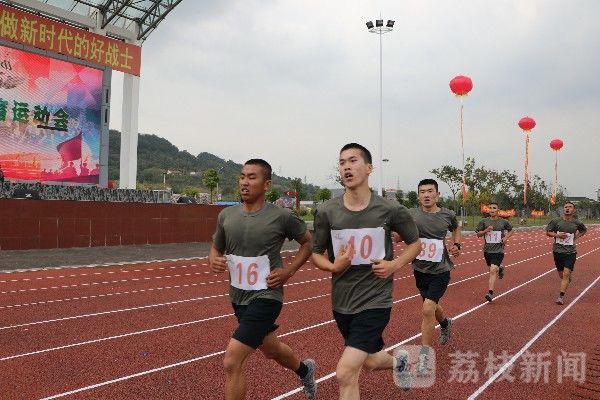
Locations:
(496, 231)
(565, 231)
(248, 242)
(355, 230)
(432, 265)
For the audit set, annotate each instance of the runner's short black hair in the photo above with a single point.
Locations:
(267, 170)
(493, 202)
(428, 181)
(571, 203)
(365, 153)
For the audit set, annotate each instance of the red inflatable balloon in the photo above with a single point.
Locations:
(461, 85)
(556, 144)
(527, 123)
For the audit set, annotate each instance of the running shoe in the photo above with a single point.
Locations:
(402, 377)
(489, 297)
(445, 332)
(309, 384)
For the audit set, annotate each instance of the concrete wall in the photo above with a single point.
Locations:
(45, 224)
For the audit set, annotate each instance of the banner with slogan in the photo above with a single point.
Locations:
(50, 118)
(501, 213)
(537, 213)
(24, 28)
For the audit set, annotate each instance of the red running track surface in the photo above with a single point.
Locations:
(158, 331)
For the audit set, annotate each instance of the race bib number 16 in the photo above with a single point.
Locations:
(248, 273)
(368, 243)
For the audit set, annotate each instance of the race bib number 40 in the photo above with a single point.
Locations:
(568, 241)
(493, 237)
(431, 250)
(248, 273)
(368, 243)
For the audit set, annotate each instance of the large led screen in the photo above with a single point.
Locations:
(50, 118)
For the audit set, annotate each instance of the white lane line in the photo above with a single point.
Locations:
(96, 283)
(169, 366)
(169, 276)
(110, 264)
(161, 328)
(112, 311)
(114, 264)
(464, 313)
(466, 243)
(168, 303)
(127, 309)
(514, 358)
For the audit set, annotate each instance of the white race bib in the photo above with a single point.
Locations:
(431, 250)
(493, 237)
(568, 241)
(368, 243)
(248, 273)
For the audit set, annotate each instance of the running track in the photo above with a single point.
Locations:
(158, 330)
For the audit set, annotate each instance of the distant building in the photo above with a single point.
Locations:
(390, 194)
(576, 200)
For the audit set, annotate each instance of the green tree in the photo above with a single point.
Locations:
(297, 187)
(191, 191)
(413, 199)
(400, 196)
(451, 176)
(210, 179)
(323, 194)
(273, 194)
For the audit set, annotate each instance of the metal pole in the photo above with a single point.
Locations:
(380, 160)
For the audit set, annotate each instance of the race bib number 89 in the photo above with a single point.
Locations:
(248, 273)
(493, 237)
(368, 243)
(431, 250)
(568, 241)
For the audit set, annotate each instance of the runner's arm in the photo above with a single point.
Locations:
(383, 268)
(456, 239)
(216, 260)
(279, 276)
(340, 264)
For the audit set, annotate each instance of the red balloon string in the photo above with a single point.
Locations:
(526, 167)
(555, 189)
(462, 146)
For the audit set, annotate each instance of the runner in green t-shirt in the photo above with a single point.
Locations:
(564, 231)
(355, 230)
(247, 243)
(433, 264)
(495, 232)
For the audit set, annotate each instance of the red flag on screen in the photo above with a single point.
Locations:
(71, 149)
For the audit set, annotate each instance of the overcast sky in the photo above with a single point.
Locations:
(293, 81)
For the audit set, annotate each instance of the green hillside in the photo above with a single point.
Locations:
(157, 155)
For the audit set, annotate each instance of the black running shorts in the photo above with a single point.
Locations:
(256, 320)
(564, 260)
(432, 286)
(493, 258)
(364, 330)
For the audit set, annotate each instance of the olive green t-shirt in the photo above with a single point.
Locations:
(358, 288)
(501, 226)
(433, 226)
(256, 234)
(570, 227)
